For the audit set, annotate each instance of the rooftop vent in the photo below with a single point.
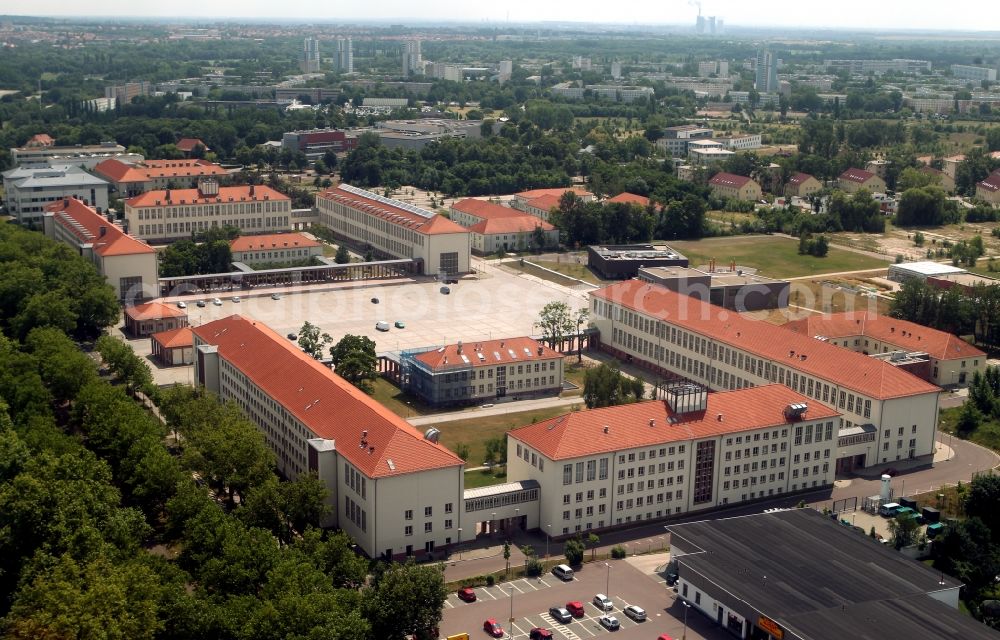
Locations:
(606, 428)
(795, 411)
(718, 417)
(652, 422)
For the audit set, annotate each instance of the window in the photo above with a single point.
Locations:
(408, 514)
(565, 498)
(447, 524)
(447, 507)
(591, 470)
(408, 530)
(428, 512)
(579, 472)
(567, 474)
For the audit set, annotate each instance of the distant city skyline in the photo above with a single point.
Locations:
(845, 14)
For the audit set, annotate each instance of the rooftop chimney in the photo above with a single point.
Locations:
(103, 232)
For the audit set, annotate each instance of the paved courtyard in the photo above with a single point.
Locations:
(492, 303)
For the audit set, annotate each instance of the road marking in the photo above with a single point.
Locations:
(533, 587)
(558, 626)
(449, 604)
(544, 582)
(514, 586)
(519, 630)
(487, 592)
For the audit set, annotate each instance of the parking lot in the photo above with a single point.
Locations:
(627, 582)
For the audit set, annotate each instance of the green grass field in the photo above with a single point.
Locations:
(474, 432)
(774, 256)
(571, 269)
(400, 403)
(484, 478)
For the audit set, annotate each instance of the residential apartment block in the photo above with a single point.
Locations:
(540, 202)
(497, 228)
(396, 229)
(275, 248)
(128, 264)
(878, 67)
(733, 187)
(802, 185)
(953, 360)
(693, 451)
(470, 373)
(393, 489)
(129, 180)
(888, 414)
(856, 179)
(28, 191)
(675, 139)
(989, 189)
(171, 214)
(975, 74)
(124, 93)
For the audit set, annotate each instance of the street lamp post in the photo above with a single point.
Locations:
(510, 621)
(686, 607)
(548, 536)
(607, 584)
(517, 522)
(493, 523)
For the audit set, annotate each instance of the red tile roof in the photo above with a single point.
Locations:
(174, 338)
(494, 352)
(118, 171)
(485, 209)
(648, 424)
(328, 405)
(545, 203)
(630, 198)
(799, 178)
(728, 180)
(194, 196)
(992, 182)
(905, 335)
(524, 223)
(854, 371)
(187, 145)
(272, 241)
(86, 224)
(857, 175)
(557, 192)
(40, 140)
(429, 224)
(154, 311)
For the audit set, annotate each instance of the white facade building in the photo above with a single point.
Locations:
(396, 229)
(888, 414)
(27, 192)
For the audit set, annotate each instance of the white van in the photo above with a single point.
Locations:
(382, 325)
(563, 572)
(889, 509)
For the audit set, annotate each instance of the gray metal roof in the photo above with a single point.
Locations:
(500, 489)
(819, 580)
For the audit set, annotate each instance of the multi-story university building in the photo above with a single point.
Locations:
(395, 229)
(878, 67)
(129, 180)
(887, 413)
(123, 93)
(649, 460)
(469, 373)
(976, 74)
(128, 264)
(173, 214)
(28, 191)
(77, 154)
(395, 491)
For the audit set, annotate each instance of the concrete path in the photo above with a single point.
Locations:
(500, 409)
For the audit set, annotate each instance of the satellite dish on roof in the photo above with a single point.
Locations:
(432, 435)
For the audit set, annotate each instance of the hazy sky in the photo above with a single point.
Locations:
(877, 14)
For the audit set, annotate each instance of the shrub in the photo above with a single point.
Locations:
(618, 552)
(534, 567)
(490, 580)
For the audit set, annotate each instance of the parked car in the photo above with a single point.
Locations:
(663, 636)
(561, 571)
(399, 324)
(236, 298)
(450, 281)
(891, 472)
(560, 614)
(445, 290)
(636, 613)
(576, 608)
(671, 578)
(467, 594)
(382, 325)
(182, 305)
(292, 336)
(609, 622)
(217, 302)
(275, 296)
(374, 300)
(603, 602)
(539, 633)
(200, 303)
(493, 628)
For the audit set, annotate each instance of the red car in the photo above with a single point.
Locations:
(467, 594)
(663, 636)
(576, 608)
(539, 633)
(493, 628)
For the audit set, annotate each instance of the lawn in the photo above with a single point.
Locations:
(987, 435)
(402, 404)
(572, 269)
(774, 256)
(484, 478)
(474, 432)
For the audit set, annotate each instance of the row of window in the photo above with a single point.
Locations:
(428, 511)
(591, 470)
(210, 210)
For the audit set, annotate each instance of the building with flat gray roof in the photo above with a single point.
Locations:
(621, 262)
(41, 155)
(798, 575)
(735, 288)
(28, 191)
(921, 270)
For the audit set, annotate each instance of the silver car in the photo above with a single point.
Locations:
(609, 622)
(636, 613)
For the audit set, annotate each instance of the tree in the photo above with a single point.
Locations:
(923, 206)
(64, 368)
(556, 322)
(903, 529)
(593, 540)
(506, 554)
(312, 341)
(581, 320)
(127, 367)
(354, 360)
(606, 386)
(573, 550)
(404, 599)
(462, 451)
(982, 499)
(343, 256)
